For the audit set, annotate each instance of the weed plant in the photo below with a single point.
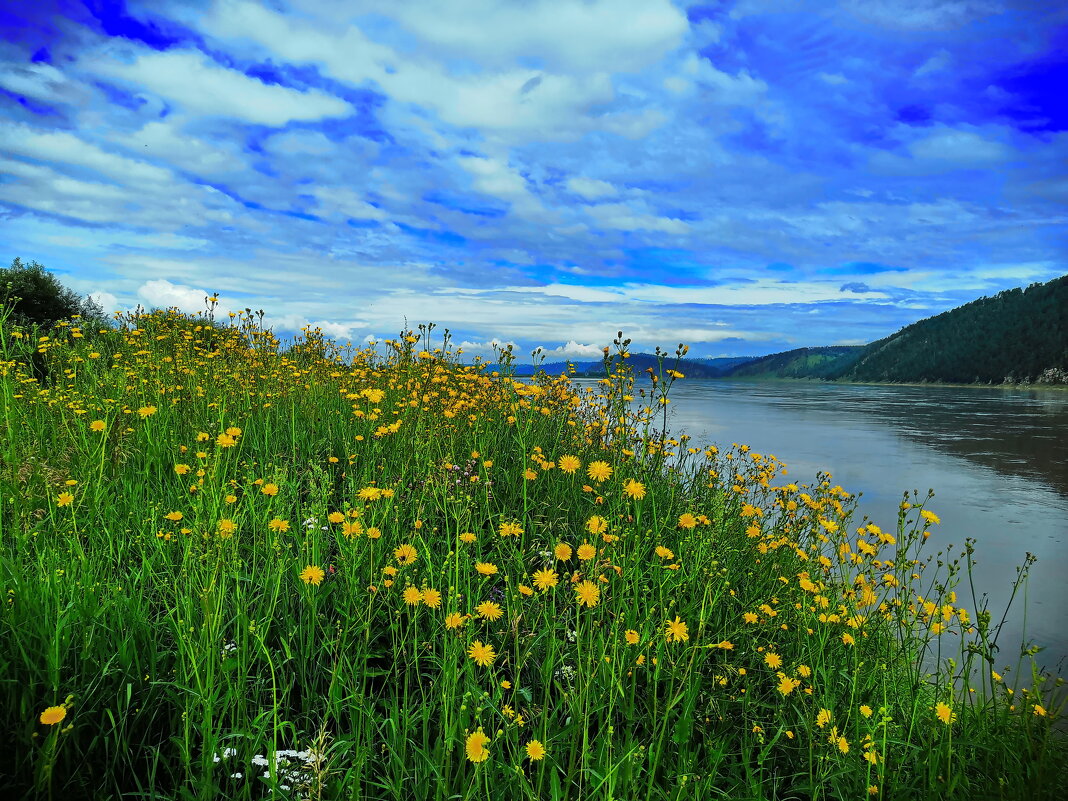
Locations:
(239, 570)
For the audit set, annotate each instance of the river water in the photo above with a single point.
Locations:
(997, 460)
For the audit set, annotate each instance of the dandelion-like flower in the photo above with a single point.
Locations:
(676, 630)
(269, 489)
(687, 521)
(544, 579)
(369, 494)
(482, 654)
(535, 750)
(562, 551)
(945, 713)
(147, 411)
(486, 568)
(312, 574)
(432, 598)
(510, 529)
(64, 499)
(631, 637)
(597, 525)
(773, 660)
(569, 464)
(412, 596)
(405, 554)
(664, 553)
(787, 685)
(587, 594)
(97, 425)
(599, 471)
(476, 746)
(489, 610)
(586, 552)
(634, 489)
(454, 620)
(53, 715)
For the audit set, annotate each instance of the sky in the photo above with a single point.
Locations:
(743, 176)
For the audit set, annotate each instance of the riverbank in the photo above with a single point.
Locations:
(395, 577)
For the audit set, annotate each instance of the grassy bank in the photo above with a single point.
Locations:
(236, 572)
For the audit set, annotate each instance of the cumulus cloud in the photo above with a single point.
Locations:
(162, 294)
(573, 350)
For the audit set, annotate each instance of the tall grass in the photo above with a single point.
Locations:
(237, 570)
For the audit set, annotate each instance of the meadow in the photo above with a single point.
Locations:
(239, 569)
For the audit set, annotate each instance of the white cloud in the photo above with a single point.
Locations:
(730, 90)
(621, 217)
(43, 82)
(340, 202)
(958, 147)
(833, 78)
(108, 302)
(568, 35)
(503, 100)
(590, 188)
(162, 206)
(573, 350)
(171, 140)
(60, 146)
(160, 293)
(496, 178)
(201, 86)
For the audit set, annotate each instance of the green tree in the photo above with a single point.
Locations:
(37, 296)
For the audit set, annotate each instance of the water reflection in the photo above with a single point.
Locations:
(997, 460)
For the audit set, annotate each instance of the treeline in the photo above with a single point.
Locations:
(1016, 336)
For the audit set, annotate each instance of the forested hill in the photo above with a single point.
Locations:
(823, 362)
(1020, 335)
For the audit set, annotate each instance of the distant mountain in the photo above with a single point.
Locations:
(1017, 336)
(725, 363)
(823, 363)
(691, 368)
(1020, 335)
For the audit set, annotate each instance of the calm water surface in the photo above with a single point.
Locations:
(997, 460)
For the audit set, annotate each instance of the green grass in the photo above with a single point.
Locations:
(164, 608)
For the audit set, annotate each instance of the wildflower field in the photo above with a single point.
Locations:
(236, 569)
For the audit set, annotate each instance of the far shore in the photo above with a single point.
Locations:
(786, 379)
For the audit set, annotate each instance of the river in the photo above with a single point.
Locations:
(997, 460)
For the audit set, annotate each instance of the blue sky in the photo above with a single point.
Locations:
(733, 175)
